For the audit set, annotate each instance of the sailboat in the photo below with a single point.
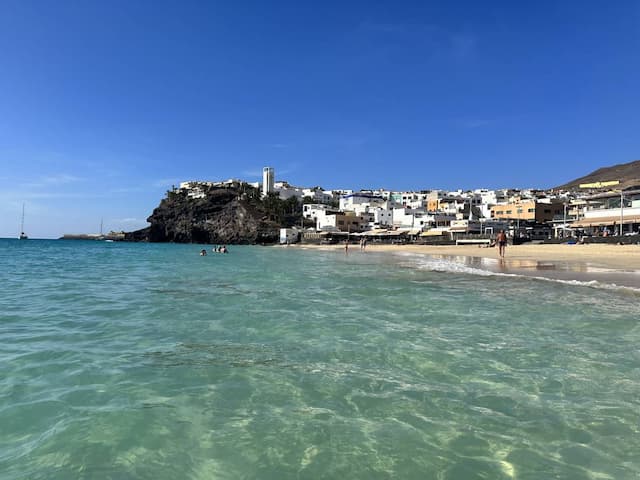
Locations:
(23, 236)
(102, 235)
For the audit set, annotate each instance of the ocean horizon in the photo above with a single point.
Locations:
(149, 361)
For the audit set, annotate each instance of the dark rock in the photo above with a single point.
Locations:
(226, 215)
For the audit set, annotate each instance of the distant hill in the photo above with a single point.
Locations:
(626, 173)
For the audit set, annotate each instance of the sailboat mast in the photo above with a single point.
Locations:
(22, 234)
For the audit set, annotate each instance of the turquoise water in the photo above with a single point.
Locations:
(135, 361)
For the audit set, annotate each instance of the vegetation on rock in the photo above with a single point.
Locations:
(233, 215)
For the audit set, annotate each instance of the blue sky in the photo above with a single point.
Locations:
(105, 105)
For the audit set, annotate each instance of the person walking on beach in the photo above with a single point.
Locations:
(501, 240)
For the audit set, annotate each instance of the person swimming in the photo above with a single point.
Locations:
(203, 252)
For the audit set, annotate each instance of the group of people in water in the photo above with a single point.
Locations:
(500, 242)
(363, 244)
(215, 249)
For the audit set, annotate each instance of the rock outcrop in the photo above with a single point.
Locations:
(226, 215)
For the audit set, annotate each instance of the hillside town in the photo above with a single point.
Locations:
(597, 209)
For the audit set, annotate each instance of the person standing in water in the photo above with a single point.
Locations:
(501, 241)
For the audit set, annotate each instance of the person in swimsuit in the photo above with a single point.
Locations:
(501, 240)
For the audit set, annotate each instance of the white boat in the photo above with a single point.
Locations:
(23, 236)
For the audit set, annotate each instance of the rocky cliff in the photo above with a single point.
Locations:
(226, 215)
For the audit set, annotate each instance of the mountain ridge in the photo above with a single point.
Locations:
(626, 173)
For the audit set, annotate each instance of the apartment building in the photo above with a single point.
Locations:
(529, 210)
(343, 222)
(609, 210)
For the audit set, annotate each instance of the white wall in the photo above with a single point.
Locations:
(348, 203)
(288, 235)
(611, 212)
(383, 217)
(313, 210)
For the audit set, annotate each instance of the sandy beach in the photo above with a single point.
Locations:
(613, 264)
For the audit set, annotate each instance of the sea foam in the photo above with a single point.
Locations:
(445, 265)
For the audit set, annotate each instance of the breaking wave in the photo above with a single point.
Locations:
(479, 267)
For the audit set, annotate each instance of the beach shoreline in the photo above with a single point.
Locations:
(604, 263)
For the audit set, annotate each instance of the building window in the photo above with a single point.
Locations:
(519, 210)
(547, 210)
(531, 210)
(508, 212)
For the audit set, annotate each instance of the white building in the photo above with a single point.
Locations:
(413, 199)
(195, 189)
(285, 191)
(490, 198)
(339, 192)
(342, 221)
(312, 211)
(386, 194)
(289, 235)
(405, 217)
(318, 195)
(420, 219)
(611, 210)
(382, 217)
(352, 201)
(268, 180)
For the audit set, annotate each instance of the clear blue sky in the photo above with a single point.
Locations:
(104, 105)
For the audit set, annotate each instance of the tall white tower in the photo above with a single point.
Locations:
(268, 180)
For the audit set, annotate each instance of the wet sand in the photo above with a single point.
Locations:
(610, 264)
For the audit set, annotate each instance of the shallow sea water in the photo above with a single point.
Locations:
(137, 361)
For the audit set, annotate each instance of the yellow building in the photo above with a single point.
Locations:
(530, 210)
